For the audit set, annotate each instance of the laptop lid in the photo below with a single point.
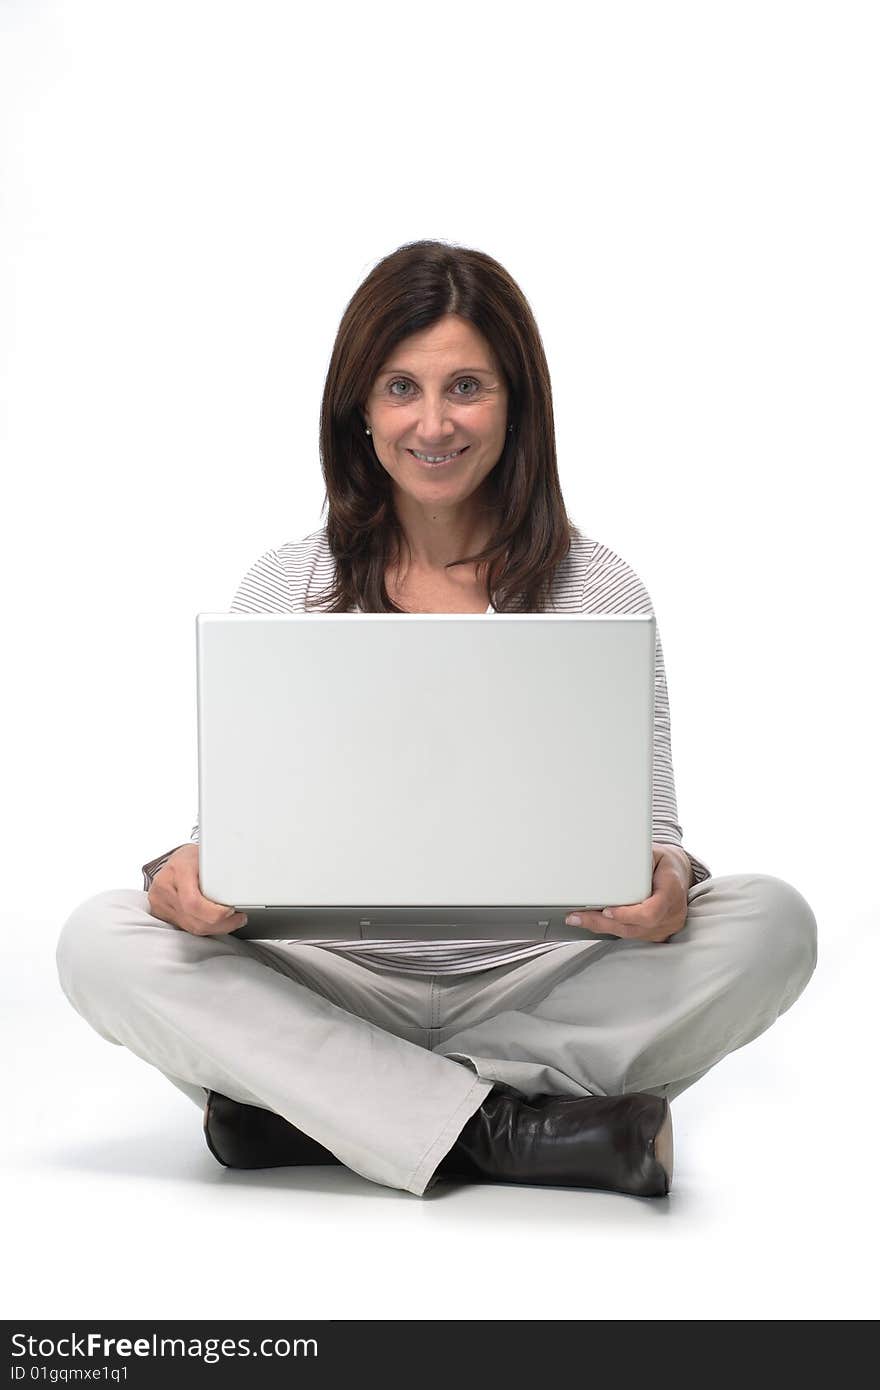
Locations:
(435, 775)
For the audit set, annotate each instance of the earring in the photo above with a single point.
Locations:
(368, 430)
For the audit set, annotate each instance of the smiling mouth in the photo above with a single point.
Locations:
(437, 460)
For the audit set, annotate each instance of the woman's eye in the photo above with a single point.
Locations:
(401, 381)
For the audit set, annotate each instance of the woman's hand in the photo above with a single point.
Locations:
(176, 897)
(658, 917)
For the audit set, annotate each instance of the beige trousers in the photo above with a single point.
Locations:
(384, 1068)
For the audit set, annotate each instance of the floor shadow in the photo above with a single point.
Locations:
(166, 1156)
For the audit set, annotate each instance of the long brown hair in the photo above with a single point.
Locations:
(407, 291)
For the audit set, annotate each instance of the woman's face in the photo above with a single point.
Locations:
(440, 391)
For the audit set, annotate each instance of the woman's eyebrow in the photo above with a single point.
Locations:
(404, 371)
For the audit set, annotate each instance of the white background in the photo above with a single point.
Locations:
(687, 195)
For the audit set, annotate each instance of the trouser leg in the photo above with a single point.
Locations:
(198, 1094)
(646, 1016)
(337, 1049)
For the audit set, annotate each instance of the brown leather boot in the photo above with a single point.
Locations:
(246, 1136)
(619, 1143)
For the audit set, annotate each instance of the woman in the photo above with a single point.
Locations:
(544, 1062)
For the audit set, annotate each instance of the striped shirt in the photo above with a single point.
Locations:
(590, 579)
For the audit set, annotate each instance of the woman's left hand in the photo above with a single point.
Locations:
(658, 917)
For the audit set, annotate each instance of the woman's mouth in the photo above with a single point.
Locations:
(436, 460)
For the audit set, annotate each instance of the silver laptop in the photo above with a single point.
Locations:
(437, 775)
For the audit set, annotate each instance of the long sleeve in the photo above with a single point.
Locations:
(666, 829)
(612, 586)
(265, 588)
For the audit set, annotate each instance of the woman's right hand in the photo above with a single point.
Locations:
(175, 896)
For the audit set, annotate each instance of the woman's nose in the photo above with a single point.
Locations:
(434, 420)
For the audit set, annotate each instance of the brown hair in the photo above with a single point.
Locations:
(407, 291)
